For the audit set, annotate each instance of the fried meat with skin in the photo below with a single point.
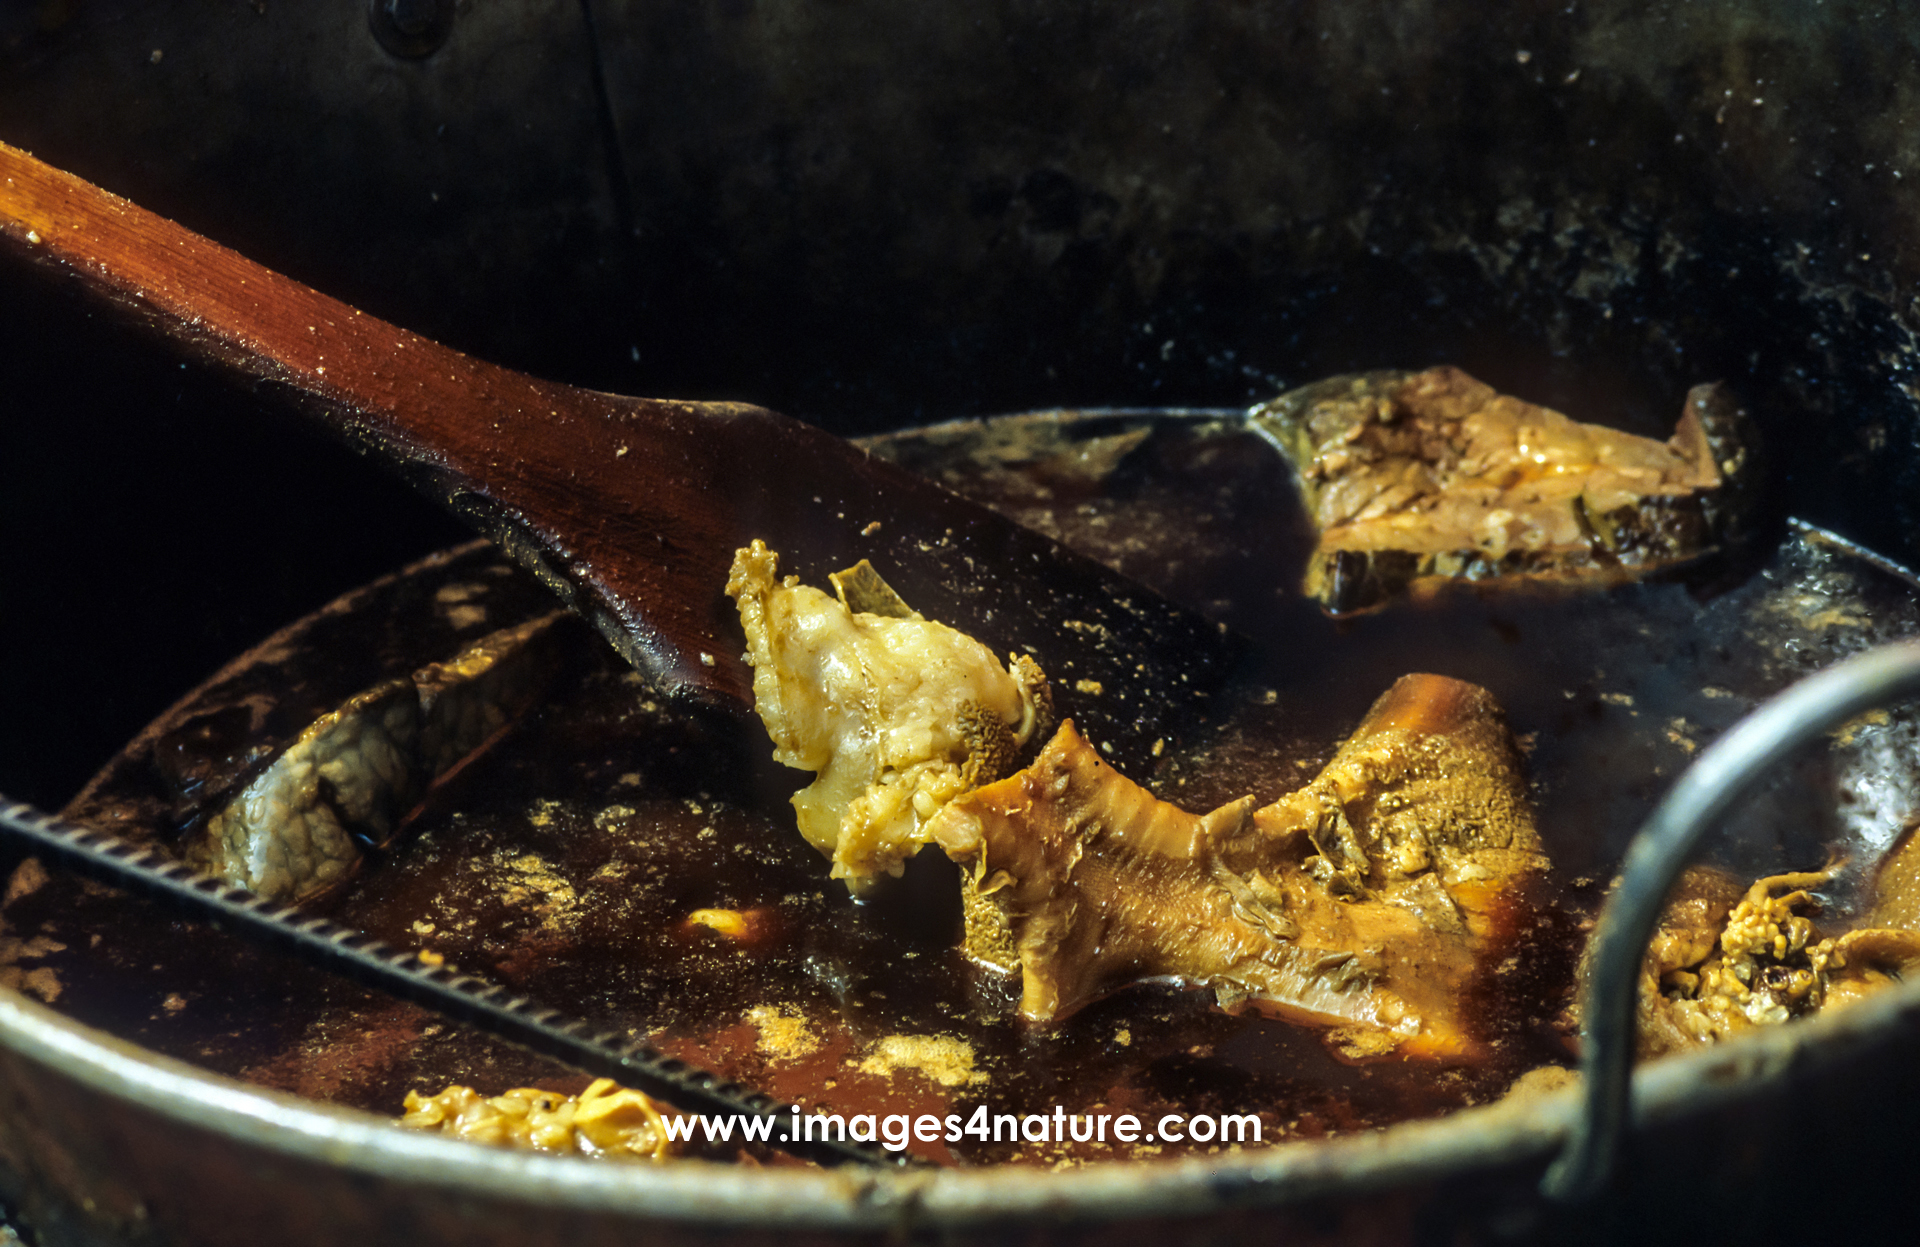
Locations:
(298, 830)
(1416, 478)
(895, 714)
(1361, 903)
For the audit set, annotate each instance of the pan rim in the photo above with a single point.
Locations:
(1521, 1133)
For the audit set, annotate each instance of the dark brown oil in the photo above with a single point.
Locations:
(567, 862)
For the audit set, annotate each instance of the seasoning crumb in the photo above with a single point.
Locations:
(1845, 734)
(706, 659)
(27, 879)
(1123, 1037)
(430, 958)
(732, 923)
(33, 237)
(870, 529)
(784, 1033)
(41, 981)
(944, 1059)
(1089, 686)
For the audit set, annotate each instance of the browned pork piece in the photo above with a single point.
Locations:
(1361, 903)
(1724, 960)
(1412, 479)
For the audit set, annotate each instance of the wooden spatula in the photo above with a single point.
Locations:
(630, 508)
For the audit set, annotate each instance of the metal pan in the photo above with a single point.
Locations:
(1609, 672)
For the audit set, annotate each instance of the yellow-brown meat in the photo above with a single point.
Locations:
(1416, 478)
(1723, 961)
(1360, 903)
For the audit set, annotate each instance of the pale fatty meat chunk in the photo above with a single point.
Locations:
(895, 714)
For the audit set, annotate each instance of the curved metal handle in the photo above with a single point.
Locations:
(1723, 774)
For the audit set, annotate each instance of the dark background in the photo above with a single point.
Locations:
(870, 215)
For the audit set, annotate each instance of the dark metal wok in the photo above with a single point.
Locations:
(896, 217)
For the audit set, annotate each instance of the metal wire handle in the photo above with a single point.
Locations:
(1724, 773)
(436, 985)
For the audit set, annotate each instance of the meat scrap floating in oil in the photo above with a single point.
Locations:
(1726, 959)
(603, 1120)
(303, 824)
(1413, 479)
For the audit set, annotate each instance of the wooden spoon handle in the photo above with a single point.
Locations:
(507, 450)
(220, 306)
(630, 509)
